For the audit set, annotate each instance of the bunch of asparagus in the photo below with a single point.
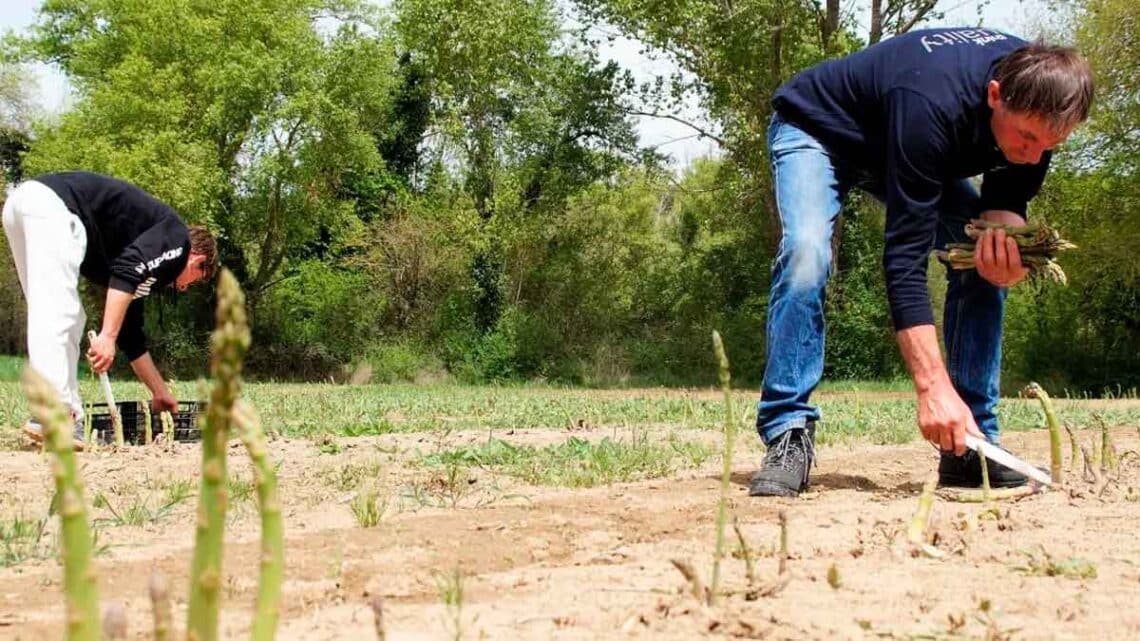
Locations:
(1037, 242)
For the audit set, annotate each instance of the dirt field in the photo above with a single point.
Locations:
(551, 563)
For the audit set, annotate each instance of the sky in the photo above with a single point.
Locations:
(667, 136)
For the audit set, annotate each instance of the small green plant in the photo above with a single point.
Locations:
(22, 539)
(241, 490)
(135, 514)
(451, 593)
(368, 507)
(986, 616)
(1042, 563)
(350, 476)
(833, 578)
(138, 512)
(329, 446)
(578, 462)
(178, 491)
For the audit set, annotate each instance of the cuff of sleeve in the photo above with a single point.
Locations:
(1016, 207)
(134, 352)
(912, 316)
(121, 284)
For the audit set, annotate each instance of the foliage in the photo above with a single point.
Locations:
(1087, 336)
(435, 188)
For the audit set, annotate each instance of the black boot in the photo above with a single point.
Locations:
(787, 464)
(966, 471)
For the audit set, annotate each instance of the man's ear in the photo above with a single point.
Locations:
(993, 94)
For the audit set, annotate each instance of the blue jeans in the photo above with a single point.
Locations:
(810, 184)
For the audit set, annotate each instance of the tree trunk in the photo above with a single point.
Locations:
(876, 22)
(830, 24)
(487, 268)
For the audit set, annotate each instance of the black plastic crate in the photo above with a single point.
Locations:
(104, 430)
(186, 428)
(134, 414)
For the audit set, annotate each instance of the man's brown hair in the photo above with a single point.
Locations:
(1052, 82)
(202, 242)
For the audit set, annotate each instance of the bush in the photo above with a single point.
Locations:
(403, 361)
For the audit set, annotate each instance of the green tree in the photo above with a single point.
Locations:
(525, 120)
(238, 113)
(1087, 335)
(17, 112)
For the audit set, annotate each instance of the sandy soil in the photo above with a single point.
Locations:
(550, 563)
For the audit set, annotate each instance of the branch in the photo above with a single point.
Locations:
(703, 132)
(919, 14)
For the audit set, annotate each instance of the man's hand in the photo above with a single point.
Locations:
(161, 398)
(945, 420)
(996, 256)
(163, 401)
(101, 353)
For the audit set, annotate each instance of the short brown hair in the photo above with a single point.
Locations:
(1049, 81)
(202, 242)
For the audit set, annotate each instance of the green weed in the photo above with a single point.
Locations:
(369, 508)
(451, 593)
(22, 539)
(578, 462)
(1042, 563)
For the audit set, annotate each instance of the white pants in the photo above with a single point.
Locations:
(48, 243)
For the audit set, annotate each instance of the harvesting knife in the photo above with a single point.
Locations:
(106, 383)
(998, 455)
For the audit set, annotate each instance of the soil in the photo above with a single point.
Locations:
(556, 563)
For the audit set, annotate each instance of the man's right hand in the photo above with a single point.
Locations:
(945, 420)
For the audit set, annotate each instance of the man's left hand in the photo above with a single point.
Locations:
(996, 255)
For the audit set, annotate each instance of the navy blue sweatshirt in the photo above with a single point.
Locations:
(135, 243)
(912, 110)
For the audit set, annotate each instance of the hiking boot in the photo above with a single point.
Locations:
(35, 431)
(966, 471)
(787, 464)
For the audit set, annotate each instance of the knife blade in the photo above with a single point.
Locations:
(998, 455)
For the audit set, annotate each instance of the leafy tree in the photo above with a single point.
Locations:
(526, 121)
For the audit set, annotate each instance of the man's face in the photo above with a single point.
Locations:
(1022, 137)
(193, 272)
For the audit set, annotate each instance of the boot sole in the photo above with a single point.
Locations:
(772, 489)
(971, 484)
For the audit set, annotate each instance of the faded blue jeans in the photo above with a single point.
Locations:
(810, 184)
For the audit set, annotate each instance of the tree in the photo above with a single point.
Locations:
(17, 112)
(505, 98)
(239, 113)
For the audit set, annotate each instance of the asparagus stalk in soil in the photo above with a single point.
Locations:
(726, 473)
(160, 604)
(916, 530)
(227, 345)
(272, 537)
(83, 623)
(1033, 390)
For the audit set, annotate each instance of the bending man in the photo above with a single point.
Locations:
(60, 226)
(909, 120)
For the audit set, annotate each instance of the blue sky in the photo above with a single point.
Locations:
(670, 137)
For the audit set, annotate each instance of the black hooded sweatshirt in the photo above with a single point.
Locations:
(135, 243)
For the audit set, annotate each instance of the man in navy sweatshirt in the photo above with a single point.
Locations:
(909, 120)
(60, 226)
